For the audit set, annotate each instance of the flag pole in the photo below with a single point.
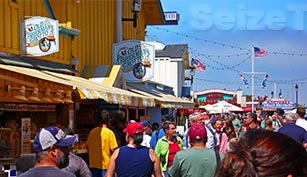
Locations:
(253, 74)
(253, 56)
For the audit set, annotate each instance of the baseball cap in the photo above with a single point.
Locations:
(134, 128)
(52, 136)
(145, 123)
(198, 132)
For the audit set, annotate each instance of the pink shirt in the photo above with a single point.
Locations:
(223, 143)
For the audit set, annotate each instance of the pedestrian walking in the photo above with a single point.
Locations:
(76, 165)
(101, 142)
(292, 130)
(222, 139)
(276, 124)
(194, 118)
(147, 133)
(268, 124)
(251, 121)
(134, 160)
(158, 134)
(198, 161)
(168, 146)
(51, 148)
(300, 113)
(235, 122)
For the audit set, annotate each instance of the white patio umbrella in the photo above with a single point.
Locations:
(223, 107)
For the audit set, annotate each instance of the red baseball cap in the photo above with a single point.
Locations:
(198, 132)
(134, 128)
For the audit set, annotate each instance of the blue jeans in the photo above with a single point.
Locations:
(165, 173)
(98, 172)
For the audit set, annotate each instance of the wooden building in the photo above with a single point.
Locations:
(87, 30)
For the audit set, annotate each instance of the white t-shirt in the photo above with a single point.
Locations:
(146, 140)
(302, 123)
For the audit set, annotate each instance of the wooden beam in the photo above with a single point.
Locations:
(22, 82)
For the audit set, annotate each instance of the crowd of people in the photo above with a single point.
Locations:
(226, 145)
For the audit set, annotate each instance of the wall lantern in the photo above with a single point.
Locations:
(135, 7)
(192, 73)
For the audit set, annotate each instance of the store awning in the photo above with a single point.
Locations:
(163, 99)
(35, 63)
(87, 89)
(34, 73)
(92, 90)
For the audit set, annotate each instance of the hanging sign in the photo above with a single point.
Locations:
(171, 18)
(277, 103)
(39, 36)
(136, 59)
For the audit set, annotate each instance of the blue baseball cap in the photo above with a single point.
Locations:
(50, 136)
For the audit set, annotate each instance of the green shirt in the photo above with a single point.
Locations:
(162, 149)
(194, 162)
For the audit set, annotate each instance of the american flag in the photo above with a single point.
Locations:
(259, 52)
(198, 65)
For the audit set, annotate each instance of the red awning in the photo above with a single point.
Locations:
(247, 109)
(189, 111)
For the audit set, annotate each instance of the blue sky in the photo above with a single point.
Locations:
(221, 34)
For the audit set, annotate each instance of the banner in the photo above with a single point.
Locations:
(25, 135)
(244, 80)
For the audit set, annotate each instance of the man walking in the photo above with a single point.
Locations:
(194, 118)
(198, 161)
(156, 135)
(251, 121)
(76, 164)
(51, 148)
(294, 131)
(101, 142)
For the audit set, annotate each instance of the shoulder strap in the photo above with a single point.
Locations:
(279, 124)
(217, 156)
(220, 137)
(213, 133)
(186, 138)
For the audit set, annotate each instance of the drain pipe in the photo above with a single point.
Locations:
(119, 24)
(49, 9)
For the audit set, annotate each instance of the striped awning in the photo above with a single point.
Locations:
(34, 73)
(86, 88)
(91, 90)
(164, 100)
